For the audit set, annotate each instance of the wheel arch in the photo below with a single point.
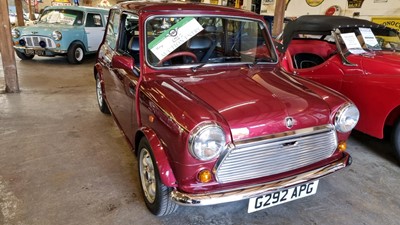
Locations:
(97, 70)
(85, 50)
(164, 168)
(392, 117)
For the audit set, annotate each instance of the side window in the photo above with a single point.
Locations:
(93, 20)
(128, 43)
(112, 29)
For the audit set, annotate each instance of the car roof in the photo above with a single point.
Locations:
(146, 6)
(80, 8)
(321, 24)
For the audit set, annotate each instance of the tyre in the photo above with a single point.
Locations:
(396, 139)
(156, 194)
(100, 97)
(75, 53)
(24, 56)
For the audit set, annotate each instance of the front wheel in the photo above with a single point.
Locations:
(24, 56)
(156, 194)
(75, 53)
(396, 139)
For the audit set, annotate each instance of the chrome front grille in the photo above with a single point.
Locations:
(276, 154)
(33, 41)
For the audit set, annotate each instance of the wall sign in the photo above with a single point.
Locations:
(314, 3)
(334, 10)
(392, 22)
(355, 3)
(61, 2)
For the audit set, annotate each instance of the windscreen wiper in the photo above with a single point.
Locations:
(195, 68)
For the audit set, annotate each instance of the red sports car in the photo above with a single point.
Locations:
(199, 95)
(358, 58)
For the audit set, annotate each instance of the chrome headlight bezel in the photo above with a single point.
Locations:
(207, 141)
(346, 118)
(15, 33)
(56, 35)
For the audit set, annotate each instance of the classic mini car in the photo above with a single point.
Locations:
(358, 58)
(62, 30)
(199, 95)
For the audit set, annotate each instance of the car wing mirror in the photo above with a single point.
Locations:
(123, 62)
(279, 46)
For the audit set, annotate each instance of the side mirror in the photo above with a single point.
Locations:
(123, 62)
(279, 47)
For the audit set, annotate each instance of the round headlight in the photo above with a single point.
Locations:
(57, 35)
(346, 118)
(15, 33)
(207, 141)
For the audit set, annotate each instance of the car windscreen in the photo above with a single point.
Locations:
(177, 41)
(62, 16)
(372, 38)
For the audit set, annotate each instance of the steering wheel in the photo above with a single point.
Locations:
(176, 54)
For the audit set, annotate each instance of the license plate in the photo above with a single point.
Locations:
(283, 196)
(29, 51)
(40, 52)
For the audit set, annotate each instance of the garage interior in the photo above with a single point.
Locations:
(64, 162)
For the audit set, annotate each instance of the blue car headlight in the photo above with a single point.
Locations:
(15, 33)
(57, 35)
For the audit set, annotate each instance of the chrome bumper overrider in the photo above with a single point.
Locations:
(254, 191)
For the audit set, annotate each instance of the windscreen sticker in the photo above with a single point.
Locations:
(369, 39)
(174, 37)
(53, 17)
(352, 43)
(67, 19)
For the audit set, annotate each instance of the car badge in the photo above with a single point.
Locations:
(289, 122)
(34, 32)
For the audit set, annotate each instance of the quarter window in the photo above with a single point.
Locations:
(93, 20)
(112, 29)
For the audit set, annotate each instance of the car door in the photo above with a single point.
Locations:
(94, 29)
(329, 73)
(124, 76)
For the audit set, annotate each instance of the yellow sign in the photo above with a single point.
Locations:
(392, 22)
(314, 3)
(214, 2)
(61, 2)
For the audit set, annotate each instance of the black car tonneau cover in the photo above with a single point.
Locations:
(321, 24)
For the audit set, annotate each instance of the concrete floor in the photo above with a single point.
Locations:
(64, 162)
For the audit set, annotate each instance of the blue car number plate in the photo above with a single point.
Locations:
(29, 51)
(282, 196)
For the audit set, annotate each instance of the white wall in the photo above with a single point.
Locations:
(369, 8)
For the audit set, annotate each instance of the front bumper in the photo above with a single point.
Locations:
(51, 51)
(254, 191)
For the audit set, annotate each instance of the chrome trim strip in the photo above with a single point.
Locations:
(254, 191)
(288, 134)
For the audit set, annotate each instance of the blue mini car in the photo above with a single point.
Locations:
(71, 31)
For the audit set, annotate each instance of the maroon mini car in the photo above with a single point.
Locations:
(358, 58)
(199, 94)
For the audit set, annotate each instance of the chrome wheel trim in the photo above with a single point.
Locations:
(99, 92)
(147, 175)
(78, 54)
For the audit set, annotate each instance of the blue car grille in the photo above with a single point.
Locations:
(33, 41)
